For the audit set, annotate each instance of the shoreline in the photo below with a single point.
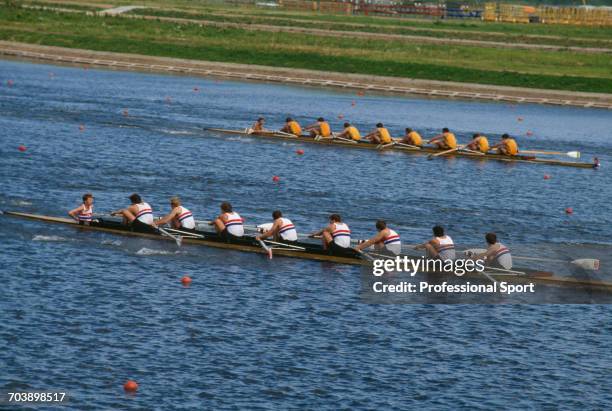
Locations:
(357, 82)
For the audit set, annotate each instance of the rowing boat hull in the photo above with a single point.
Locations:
(314, 252)
(409, 150)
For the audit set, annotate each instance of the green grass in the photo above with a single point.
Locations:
(550, 70)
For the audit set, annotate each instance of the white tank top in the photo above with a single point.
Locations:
(144, 214)
(185, 218)
(393, 242)
(502, 257)
(446, 248)
(341, 235)
(234, 224)
(287, 230)
(86, 214)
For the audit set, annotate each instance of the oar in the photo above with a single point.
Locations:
(585, 263)
(431, 156)
(178, 239)
(480, 153)
(295, 247)
(397, 143)
(364, 255)
(383, 146)
(572, 154)
(285, 134)
(336, 137)
(265, 247)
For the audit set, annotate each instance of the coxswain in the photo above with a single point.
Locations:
(350, 132)
(497, 254)
(282, 229)
(412, 138)
(258, 126)
(320, 128)
(386, 240)
(229, 223)
(180, 218)
(440, 246)
(139, 214)
(507, 146)
(292, 127)
(83, 214)
(444, 141)
(479, 143)
(336, 235)
(380, 135)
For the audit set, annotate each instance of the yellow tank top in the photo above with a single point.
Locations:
(385, 137)
(295, 128)
(354, 133)
(416, 138)
(450, 140)
(483, 144)
(511, 146)
(325, 129)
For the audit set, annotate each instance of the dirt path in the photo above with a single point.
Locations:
(242, 72)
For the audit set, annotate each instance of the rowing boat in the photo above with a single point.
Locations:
(303, 250)
(271, 135)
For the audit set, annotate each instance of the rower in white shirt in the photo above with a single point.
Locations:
(281, 229)
(229, 223)
(180, 217)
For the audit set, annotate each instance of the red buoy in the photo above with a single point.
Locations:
(353, 104)
(546, 177)
(340, 116)
(196, 89)
(126, 113)
(520, 119)
(276, 179)
(130, 386)
(186, 280)
(529, 133)
(569, 210)
(22, 148)
(9, 83)
(299, 152)
(82, 127)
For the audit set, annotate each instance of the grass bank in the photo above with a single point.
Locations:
(550, 70)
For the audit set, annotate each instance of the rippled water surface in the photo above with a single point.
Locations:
(85, 311)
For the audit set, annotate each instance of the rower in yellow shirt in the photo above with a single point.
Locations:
(444, 141)
(292, 127)
(412, 138)
(507, 146)
(380, 135)
(479, 143)
(319, 129)
(350, 132)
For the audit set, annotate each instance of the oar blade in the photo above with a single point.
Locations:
(587, 263)
(573, 154)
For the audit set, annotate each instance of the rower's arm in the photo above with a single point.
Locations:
(436, 138)
(273, 230)
(73, 213)
(376, 239)
(166, 219)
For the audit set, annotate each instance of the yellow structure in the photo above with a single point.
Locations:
(511, 13)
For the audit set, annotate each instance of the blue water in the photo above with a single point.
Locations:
(83, 312)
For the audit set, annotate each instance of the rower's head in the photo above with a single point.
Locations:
(408, 130)
(379, 125)
(276, 214)
(381, 225)
(438, 231)
(476, 135)
(491, 238)
(347, 125)
(226, 207)
(505, 136)
(335, 218)
(288, 120)
(445, 130)
(175, 201)
(135, 199)
(88, 199)
(261, 120)
(320, 119)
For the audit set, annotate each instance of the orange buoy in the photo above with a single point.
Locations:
(546, 177)
(22, 148)
(569, 210)
(186, 280)
(130, 386)
(276, 179)
(299, 152)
